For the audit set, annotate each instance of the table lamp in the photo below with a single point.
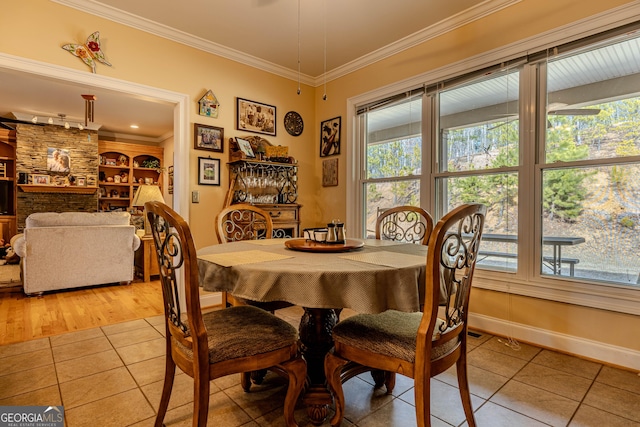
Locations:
(147, 193)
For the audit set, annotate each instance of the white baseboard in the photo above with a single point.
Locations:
(210, 299)
(589, 349)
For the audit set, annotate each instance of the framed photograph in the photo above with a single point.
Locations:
(81, 181)
(245, 147)
(256, 117)
(330, 137)
(170, 187)
(208, 171)
(92, 180)
(330, 172)
(58, 160)
(40, 179)
(209, 138)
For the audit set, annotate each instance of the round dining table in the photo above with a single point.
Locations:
(369, 276)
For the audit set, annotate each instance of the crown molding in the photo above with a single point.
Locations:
(103, 11)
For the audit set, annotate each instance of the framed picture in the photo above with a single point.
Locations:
(209, 138)
(170, 187)
(330, 172)
(330, 137)
(208, 171)
(91, 180)
(245, 147)
(81, 181)
(256, 117)
(58, 160)
(40, 179)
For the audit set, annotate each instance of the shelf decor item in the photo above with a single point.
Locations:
(256, 117)
(208, 171)
(209, 138)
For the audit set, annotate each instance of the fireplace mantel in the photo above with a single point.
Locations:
(35, 188)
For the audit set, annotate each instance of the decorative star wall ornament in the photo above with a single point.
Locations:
(89, 52)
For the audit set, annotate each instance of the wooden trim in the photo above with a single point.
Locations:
(34, 188)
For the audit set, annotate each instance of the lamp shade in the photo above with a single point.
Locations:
(147, 193)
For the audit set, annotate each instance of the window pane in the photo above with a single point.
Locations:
(479, 124)
(597, 212)
(499, 192)
(393, 140)
(593, 104)
(384, 195)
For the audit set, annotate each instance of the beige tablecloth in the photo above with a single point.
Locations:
(369, 280)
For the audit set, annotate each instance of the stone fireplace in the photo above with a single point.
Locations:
(32, 143)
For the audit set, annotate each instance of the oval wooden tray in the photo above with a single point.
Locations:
(311, 246)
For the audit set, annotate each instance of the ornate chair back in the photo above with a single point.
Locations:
(243, 222)
(404, 223)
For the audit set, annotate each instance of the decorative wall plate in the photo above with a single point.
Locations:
(293, 123)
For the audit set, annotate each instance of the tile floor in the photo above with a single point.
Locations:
(112, 376)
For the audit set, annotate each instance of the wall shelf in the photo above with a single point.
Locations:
(34, 188)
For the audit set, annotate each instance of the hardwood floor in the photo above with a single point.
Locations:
(25, 318)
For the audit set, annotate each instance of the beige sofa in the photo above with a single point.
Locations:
(73, 249)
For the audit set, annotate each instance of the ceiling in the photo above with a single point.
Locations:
(262, 33)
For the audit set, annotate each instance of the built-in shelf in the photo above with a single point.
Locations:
(34, 188)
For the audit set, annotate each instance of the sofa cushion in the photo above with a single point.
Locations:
(54, 219)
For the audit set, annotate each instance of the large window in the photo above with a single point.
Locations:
(550, 143)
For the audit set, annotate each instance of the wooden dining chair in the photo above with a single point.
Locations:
(417, 345)
(245, 222)
(217, 343)
(410, 224)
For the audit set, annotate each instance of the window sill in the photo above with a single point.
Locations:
(618, 298)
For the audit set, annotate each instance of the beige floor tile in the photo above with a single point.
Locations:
(27, 381)
(24, 347)
(142, 351)
(263, 398)
(25, 361)
(275, 418)
(617, 401)
(568, 364)
(360, 399)
(73, 337)
(119, 410)
(88, 365)
(446, 403)
(536, 403)
(223, 412)
(567, 385)
(149, 371)
(476, 338)
(156, 320)
(181, 394)
(80, 349)
(134, 336)
(495, 362)
(492, 415)
(482, 383)
(502, 345)
(395, 413)
(48, 396)
(403, 383)
(96, 387)
(626, 380)
(588, 416)
(124, 326)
